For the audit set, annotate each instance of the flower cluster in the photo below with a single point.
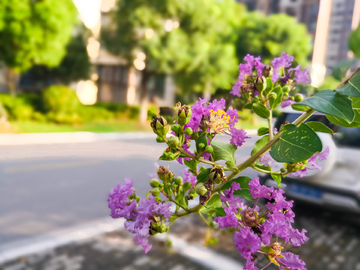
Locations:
(253, 74)
(259, 231)
(144, 216)
(190, 140)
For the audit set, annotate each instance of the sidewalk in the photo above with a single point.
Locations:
(82, 248)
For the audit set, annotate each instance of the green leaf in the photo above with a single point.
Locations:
(354, 41)
(341, 122)
(319, 127)
(168, 190)
(219, 211)
(248, 106)
(332, 103)
(203, 176)
(181, 199)
(279, 95)
(186, 186)
(277, 178)
(352, 87)
(260, 143)
(244, 184)
(192, 165)
(225, 152)
(298, 107)
(201, 139)
(214, 202)
(262, 131)
(261, 110)
(296, 144)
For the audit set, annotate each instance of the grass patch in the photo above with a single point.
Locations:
(95, 126)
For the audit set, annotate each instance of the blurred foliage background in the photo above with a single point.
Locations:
(45, 44)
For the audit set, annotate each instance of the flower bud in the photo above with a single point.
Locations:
(202, 168)
(165, 174)
(201, 145)
(160, 139)
(299, 97)
(155, 192)
(267, 71)
(160, 126)
(216, 175)
(173, 142)
(292, 98)
(286, 89)
(184, 115)
(188, 131)
(260, 84)
(178, 181)
(303, 166)
(154, 182)
(137, 198)
(283, 170)
(272, 96)
(200, 189)
(176, 128)
(209, 149)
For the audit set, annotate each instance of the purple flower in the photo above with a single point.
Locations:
(291, 262)
(238, 136)
(247, 69)
(312, 163)
(230, 220)
(188, 177)
(259, 191)
(119, 198)
(297, 238)
(138, 222)
(283, 61)
(266, 159)
(247, 242)
(287, 103)
(300, 76)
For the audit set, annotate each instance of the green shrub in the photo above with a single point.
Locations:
(90, 112)
(60, 99)
(22, 112)
(134, 112)
(63, 117)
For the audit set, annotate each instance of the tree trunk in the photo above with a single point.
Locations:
(11, 81)
(144, 97)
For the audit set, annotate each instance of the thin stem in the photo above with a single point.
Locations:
(191, 210)
(271, 135)
(204, 161)
(202, 217)
(263, 171)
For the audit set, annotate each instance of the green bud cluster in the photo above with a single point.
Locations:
(183, 114)
(217, 175)
(160, 126)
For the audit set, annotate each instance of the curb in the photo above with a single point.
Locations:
(76, 137)
(197, 253)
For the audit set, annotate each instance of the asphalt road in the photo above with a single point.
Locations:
(54, 186)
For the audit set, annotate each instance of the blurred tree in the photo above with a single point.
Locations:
(74, 66)
(272, 35)
(34, 32)
(191, 39)
(354, 42)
